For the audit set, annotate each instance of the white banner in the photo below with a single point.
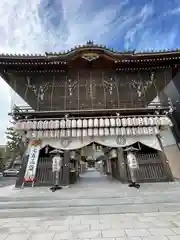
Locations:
(72, 143)
(32, 163)
(56, 164)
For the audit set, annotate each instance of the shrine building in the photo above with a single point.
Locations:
(92, 102)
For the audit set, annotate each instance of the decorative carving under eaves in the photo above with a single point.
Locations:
(90, 56)
(109, 84)
(71, 86)
(138, 86)
(142, 85)
(91, 89)
(39, 91)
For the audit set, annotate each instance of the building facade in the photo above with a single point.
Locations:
(92, 99)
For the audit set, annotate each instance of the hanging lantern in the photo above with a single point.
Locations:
(25, 125)
(106, 122)
(118, 122)
(124, 122)
(68, 132)
(73, 123)
(138, 130)
(56, 134)
(112, 131)
(28, 125)
(51, 134)
(166, 121)
(150, 130)
(85, 123)
(73, 133)
(96, 123)
(106, 131)
(68, 123)
(51, 124)
(22, 124)
(145, 121)
(141, 131)
(38, 125)
(140, 121)
(18, 125)
(95, 132)
(101, 122)
(84, 133)
(134, 133)
(62, 123)
(134, 121)
(156, 130)
(39, 134)
(44, 124)
(101, 132)
(145, 131)
(112, 122)
(45, 134)
(151, 121)
(123, 131)
(78, 133)
(62, 133)
(56, 124)
(117, 131)
(129, 122)
(34, 125)
(79, 123)
(90, 123)
(128, 131)
(90, 132)
(158, 122)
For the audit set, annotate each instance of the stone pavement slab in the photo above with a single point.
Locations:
(139, 226)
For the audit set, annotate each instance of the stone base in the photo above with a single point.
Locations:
(173, 156)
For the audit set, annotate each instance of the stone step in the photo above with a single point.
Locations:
(83, 202)
(89, 210)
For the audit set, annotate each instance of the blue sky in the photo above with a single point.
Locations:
(36, 26)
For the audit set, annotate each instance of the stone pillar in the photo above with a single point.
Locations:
(65, 177)
(171, 151)
(122, 165)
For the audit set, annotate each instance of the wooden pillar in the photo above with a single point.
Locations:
(122, 165)
(66, 160)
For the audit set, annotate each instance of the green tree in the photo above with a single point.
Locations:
(14, 143)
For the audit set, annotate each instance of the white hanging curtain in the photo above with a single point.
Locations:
(108, 141)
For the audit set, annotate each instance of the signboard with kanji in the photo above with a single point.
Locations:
(56, 163)
(132, 161)
(32, 163)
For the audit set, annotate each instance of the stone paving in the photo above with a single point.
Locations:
(146, 226)
(164, 225)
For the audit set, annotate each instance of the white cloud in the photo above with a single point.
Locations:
(28, 26)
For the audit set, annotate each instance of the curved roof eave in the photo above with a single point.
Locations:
(88, 47)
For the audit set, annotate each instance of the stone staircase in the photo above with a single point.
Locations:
(98, 198)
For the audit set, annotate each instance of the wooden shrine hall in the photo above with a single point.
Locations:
(91, 102)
